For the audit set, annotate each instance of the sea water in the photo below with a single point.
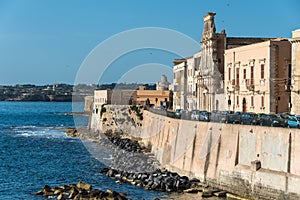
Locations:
(35, 151)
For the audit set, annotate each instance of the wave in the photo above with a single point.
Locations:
(42, 132)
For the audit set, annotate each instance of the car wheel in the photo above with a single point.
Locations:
(288, 126)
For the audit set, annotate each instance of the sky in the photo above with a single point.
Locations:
(49, 41)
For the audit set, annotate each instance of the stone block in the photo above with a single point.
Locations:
(255, 165)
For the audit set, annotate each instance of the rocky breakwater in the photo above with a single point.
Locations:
(79, 191)
(134, 164)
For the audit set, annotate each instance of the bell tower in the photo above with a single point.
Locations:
(209, 36)
(209, 29)
(209, 77)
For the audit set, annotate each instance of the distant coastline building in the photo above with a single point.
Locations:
(160, 97)
(114, 97)
(164, 84)
(295, 81)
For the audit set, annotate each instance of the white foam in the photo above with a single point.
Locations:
(43, 132)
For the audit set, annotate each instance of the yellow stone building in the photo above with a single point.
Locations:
(257, 77)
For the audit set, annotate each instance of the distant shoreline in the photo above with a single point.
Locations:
(38, 101)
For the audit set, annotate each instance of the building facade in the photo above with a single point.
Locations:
(257, 77)
(199, 79)
(142, 96)
(180, 84)
(115, 97)
(295, 81)
(155, 97)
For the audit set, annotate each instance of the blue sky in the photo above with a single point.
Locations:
(45, 42)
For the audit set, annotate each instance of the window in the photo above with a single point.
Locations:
(252, 101)
(229, 74)
(262, 71)
(245, 73)
(252, 76)
(262, 101)
(237, 100)
(237, 76)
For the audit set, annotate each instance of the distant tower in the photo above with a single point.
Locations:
(164, 84)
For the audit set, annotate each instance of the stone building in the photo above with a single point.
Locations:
(114, 97)
(163, 84)
(257, 77)
(199, 79)
(184, 84)
(161, 97)
(155, 97)
(295, 81)
(180, 84)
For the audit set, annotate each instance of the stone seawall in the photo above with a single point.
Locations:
(117, 118)
(251, 161)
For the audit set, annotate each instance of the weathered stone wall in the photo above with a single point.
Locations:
(221, 154)
(117, 118)
(88, 103)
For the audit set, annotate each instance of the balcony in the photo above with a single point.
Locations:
(249, 85)
(236, 87)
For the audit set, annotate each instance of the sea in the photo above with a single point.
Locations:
(35, 151)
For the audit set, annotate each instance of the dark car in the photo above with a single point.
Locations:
(217, 116)
(234, 118)
(204, 116)
(249, 118)
(178, 113)
(272, 120)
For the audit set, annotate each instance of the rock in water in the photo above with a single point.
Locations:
(84, 186)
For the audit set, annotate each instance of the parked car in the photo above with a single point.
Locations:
(272, 120)
(292, 122)
(249, 118)
(178, 113)
(218, 116)
(195, 115)
(185, 114)
(234, 118)
(204, 116)
(215, 116)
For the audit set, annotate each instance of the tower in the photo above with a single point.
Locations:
(209, 76)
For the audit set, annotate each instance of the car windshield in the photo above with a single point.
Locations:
(273, 116)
